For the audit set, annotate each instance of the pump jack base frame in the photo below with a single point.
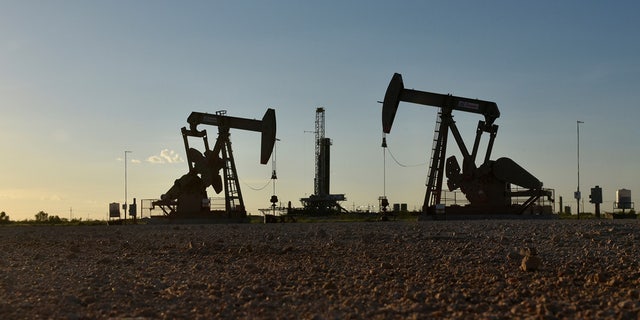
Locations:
(211, 217)
(456, 212)
(204, 216)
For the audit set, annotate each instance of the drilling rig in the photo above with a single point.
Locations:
(488, 186)
(322, 201)
(187, 198)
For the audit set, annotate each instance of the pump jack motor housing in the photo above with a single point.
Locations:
(488, 186)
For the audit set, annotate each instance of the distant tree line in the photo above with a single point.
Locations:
(45, 218)
(4, 218)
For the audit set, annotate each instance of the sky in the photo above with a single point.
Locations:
(81, 82)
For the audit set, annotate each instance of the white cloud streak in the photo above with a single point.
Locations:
(165, 156)
(29, 194)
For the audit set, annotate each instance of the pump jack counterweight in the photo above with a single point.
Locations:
(487, 187)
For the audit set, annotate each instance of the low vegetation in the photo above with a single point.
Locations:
(43, 218)
(4, 218)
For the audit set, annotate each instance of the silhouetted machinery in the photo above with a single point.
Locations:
(187, 198)
(487, 187)
(322, 201)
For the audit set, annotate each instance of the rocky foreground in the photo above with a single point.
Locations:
(432, 269)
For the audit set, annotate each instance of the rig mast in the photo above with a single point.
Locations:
(321, 180)
(322, 200)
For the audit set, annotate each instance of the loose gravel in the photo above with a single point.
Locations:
(549, 269)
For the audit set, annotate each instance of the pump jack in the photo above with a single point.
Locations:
(487, 187)
(187, 198)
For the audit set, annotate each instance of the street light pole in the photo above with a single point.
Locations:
(577, 195)
(125, 185)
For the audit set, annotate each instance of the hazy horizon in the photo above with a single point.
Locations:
(83, 81)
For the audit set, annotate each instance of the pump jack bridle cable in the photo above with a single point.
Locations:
(257, 189)
(273, 174)
(401, 164)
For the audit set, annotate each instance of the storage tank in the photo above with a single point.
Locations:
(623, 198)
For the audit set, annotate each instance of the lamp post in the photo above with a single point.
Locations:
(577, 195)
(125, 185)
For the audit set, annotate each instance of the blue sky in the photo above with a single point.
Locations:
(82, 81)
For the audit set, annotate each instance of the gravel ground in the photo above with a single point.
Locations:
(431, 269)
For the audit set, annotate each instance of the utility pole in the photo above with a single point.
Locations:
(125, 185)
(577, 194)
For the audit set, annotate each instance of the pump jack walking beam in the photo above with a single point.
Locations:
(221, 157)
(204, 169)
(396, 93)
(267, 126)
(447, 103)
(487, 185)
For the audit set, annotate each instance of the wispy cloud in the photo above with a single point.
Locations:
(130, 160)
(51, 197)
(29, 194)
(165, 156)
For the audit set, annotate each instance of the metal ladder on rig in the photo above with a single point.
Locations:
(436, 164)
(233, 195)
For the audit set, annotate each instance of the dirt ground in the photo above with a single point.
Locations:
(404, 270)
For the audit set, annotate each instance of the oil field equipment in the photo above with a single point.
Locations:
(623, 200)
(623, 207)
(487, 187)
(322, 201)
(596, 198)
(187, 198)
